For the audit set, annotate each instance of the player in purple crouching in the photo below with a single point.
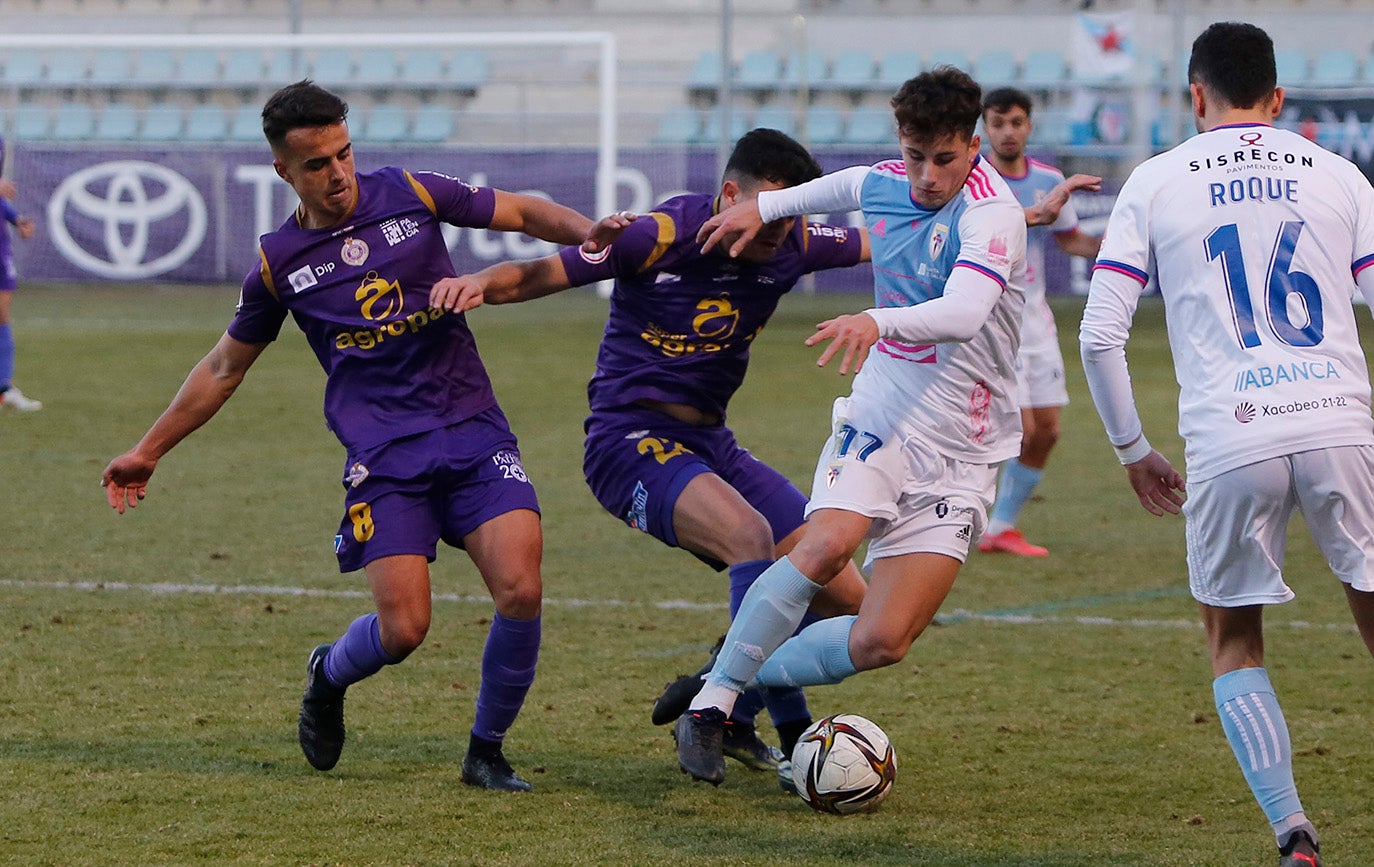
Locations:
(429, 452)
(658, 453)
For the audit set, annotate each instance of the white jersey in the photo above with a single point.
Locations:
(960, 395)
(1038, 332)
(1254, 235)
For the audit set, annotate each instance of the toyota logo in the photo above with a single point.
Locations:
(117, 205)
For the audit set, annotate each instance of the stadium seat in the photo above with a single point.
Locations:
(468, 71)
(377, 67)
(118, 121)
(198, 67)
(384, 123)
(705, 74)
(67, 68)
(710, 130)
(1335, 68)
(1044, 69)
(22, 67)
(154, 66)
(1051, 128)
(811, 63)
(422, 67)
(852, 70)
(1292, 67)
(243, 66)
(679, 124)
(162, 122)
(434, 123)
(871, 126)
(778, 117)
(760, 70)
(31, 121)
(331, 68)
(995, 69)
(282, 66)
(824, 125)
(110, 67)
(206, 123)
(245, 124)
(73, 121)
(897, 66)
(948, 57)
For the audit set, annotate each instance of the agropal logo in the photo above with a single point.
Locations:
(126, 219)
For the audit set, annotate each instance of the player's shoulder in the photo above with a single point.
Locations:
(1043, 171)
(890, 170)
(984, 188)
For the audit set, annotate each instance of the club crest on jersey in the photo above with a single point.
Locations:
(832, 473)
(354, 251)
(938, 236)
(356, 475)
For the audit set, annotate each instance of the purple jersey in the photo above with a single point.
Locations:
(360, 292)
(681, 323)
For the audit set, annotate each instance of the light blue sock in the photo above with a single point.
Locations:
(6, 356)
(1014, 490)
(818, 655)
(1254, 725)
(771, 610)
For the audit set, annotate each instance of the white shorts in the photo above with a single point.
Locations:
(920, 500)
(1237, 524)
(1040, 377)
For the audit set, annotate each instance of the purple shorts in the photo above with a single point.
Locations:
(405, 495)
(637, 461)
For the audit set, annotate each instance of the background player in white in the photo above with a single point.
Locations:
(911, 460)
(1258, 239)
(1040, 386)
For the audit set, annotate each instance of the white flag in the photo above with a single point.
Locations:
(1103, 46)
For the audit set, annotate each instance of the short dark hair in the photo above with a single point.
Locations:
(1234, 61)
(768, 155)
(1004, 99)
(303, 104)
(938, 102)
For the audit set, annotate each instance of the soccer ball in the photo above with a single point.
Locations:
(844, 764)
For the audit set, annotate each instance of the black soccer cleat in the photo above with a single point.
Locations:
(492, 772)
(742, 743)
(678, 695)
(1300, 851)
(321, 726)
(699, 752)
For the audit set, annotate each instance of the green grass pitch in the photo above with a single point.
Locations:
(151, 665)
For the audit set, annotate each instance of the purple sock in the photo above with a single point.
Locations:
(507, 671)
(357, 654)
(742, 575)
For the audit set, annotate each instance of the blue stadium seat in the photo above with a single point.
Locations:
(330, 67)
(155, 66)
(434, 123)
(1051, 127)
(778, 117)
(812, 63)
(710, 130)
(377, 67)
(198, 67)
(995, 68)
(824, 125)
(1045, 68)
(243, 66)
(1335, 68)
(22, 66)
(679, 124)
(759, 70)
(422, 66)
(283, 66)
(948, 57)
(73, 121)
(207, 123)
(110, 67)
(897, 66)
(118, 121)
(468, 71)
(852, 70)
(67, 68)
(706, 73)
(384, 123)
(1292, 67)
(162, 122)
(872, 126)
(31, 121)
(245, 124)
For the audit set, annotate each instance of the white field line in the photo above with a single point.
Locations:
(950, 618)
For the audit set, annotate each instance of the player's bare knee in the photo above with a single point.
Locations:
(869, 650)
(519, 599)
(401, 637)
(749, 540)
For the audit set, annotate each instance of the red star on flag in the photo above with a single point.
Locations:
(1110, 41)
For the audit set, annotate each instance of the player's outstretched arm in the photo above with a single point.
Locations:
(1079, 243)
(607, 231)
(737, 225)
(540, 218)
(1158, 486)
(502, 283)
(1046, 211)
(211, 382)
